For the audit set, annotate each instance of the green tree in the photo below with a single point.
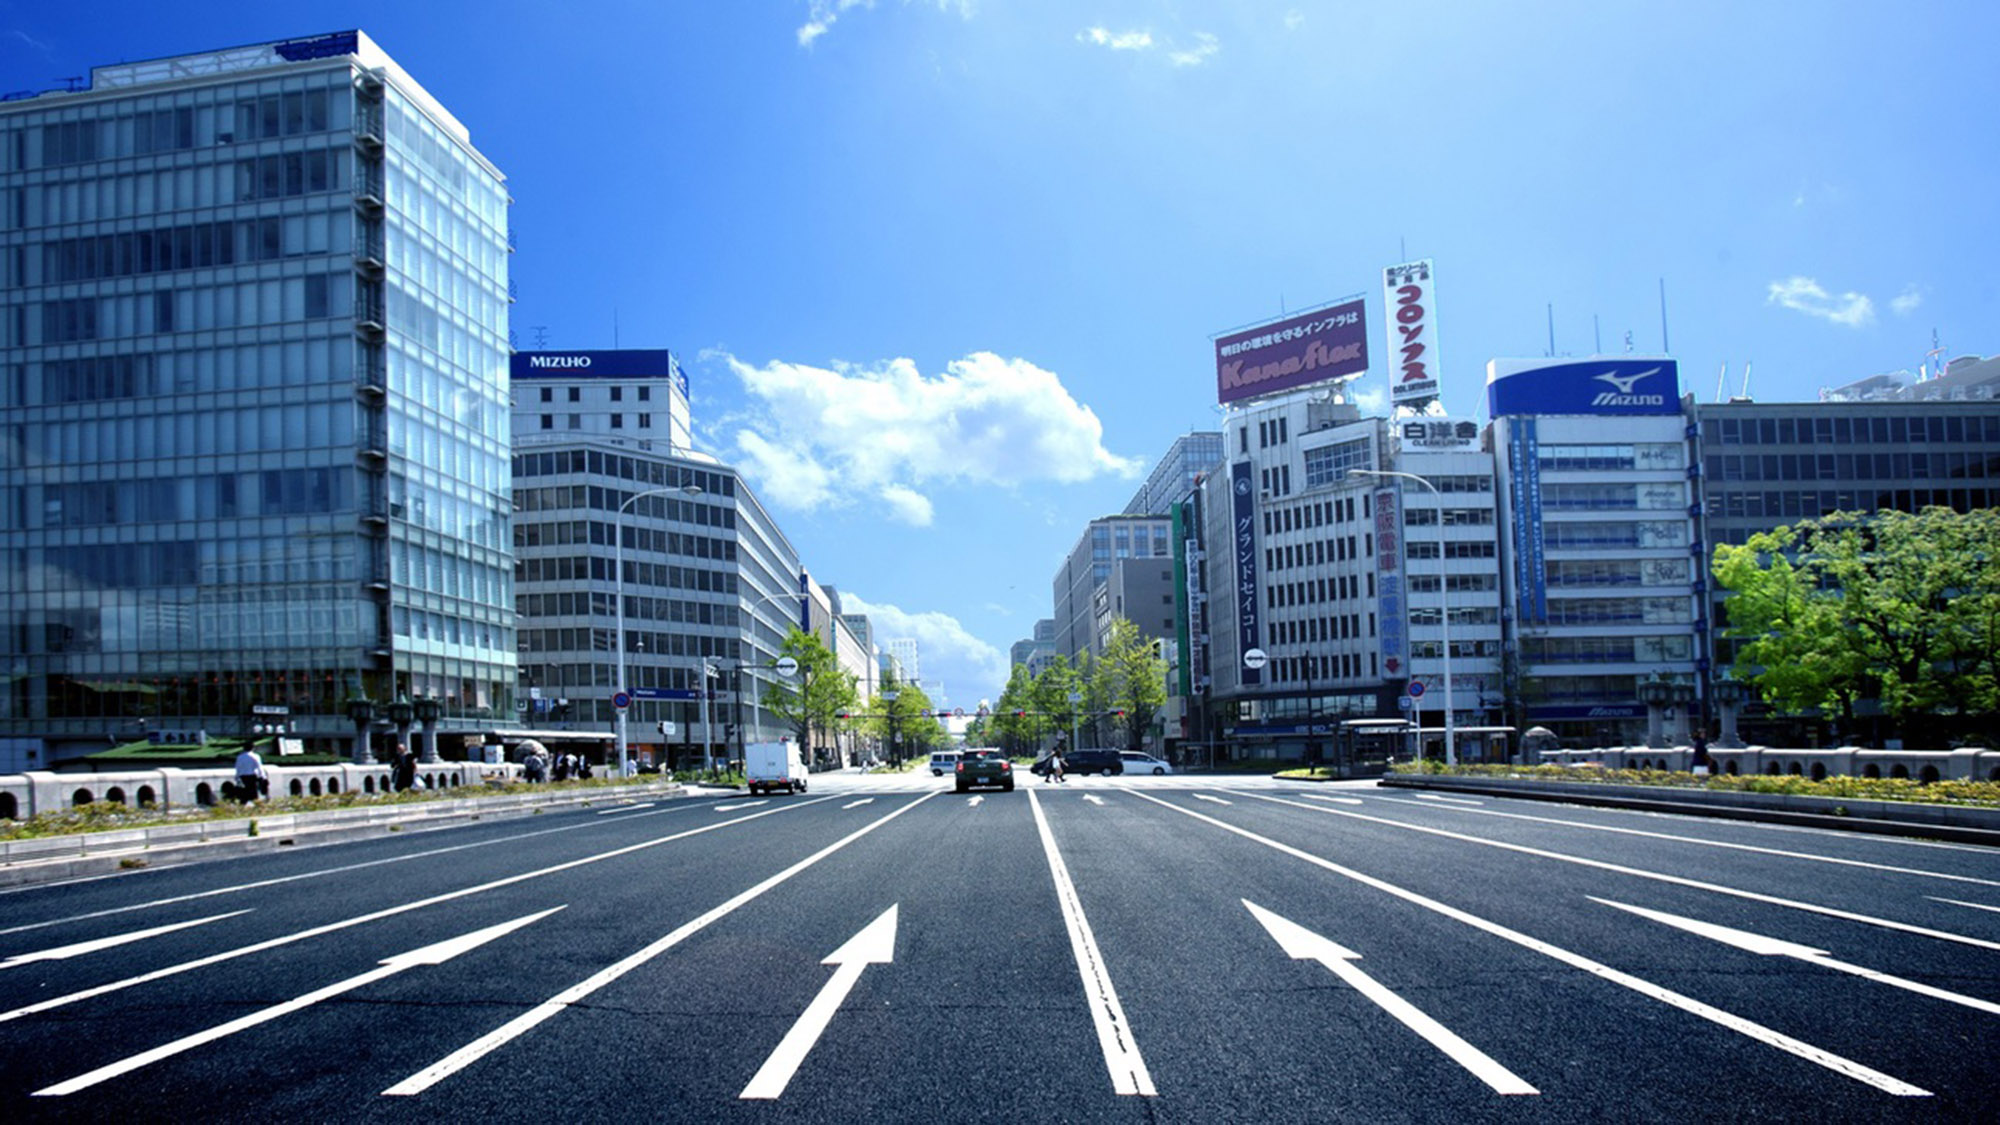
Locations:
(1051, 698)
(822, 693)
(1014, 720)
(1898, 608)
(1132, 679)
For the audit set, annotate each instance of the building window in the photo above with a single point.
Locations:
(576, 421)
(645, 394)
(576, 394)
(618, 394)
(548, 421)
(645, 421)
(548, 394)
(617, 421)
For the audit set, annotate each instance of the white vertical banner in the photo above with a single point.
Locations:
(1409, 312)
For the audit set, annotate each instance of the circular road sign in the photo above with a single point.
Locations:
(621, 699)
(1256, 658)
(1416, 689)
(787, 666)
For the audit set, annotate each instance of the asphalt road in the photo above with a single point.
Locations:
(1110, 949)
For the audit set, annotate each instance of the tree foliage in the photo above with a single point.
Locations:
(1899, 608)
(818, 693)
(1131, 678)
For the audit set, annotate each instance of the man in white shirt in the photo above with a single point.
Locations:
(251, 777)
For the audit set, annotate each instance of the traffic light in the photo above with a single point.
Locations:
(843, 716)
(1020, 714)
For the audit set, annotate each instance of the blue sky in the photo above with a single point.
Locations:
(945, 272)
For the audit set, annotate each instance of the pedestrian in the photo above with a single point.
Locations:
(1701, 764)
(561, 768)
(252, 780)
(535, 768)
(582, 768)
(405, 773)
(1055, 763)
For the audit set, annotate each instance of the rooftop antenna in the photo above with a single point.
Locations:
(1746, 380)
(1935, 355)
(1665, 347)
(1552, 328)
(614, 326)
(1721, 380)
(541, 332)
(1596, 335)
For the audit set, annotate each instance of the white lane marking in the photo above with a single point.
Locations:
(1956, 902)
(1736, 1023)
(628, 808)
(261, 883)
(1093, 798)
(1775, 947)
(1337, 800)
(1676, 880)
(1450, 800)
(1212, 800)
(1302, 944)
(65, 952)
(974, 800)
(435, 954)
(1730, 845)
(874, 945)
(738, 806)
(390, 912)
(858, 804)
(527, 1021)
(1114, 1032)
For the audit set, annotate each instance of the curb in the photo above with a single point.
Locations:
(1954, 823)
(87, 854)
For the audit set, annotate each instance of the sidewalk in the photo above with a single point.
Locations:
(84, 854)
(1962, 824)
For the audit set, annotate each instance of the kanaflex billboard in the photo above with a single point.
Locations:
(1315, 347)
(646, 363)
(1616, 385)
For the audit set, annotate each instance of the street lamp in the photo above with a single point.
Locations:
(1730, 693)
(429, 710)
(1655, 693)
(618, 593)
(361, 712)
(401, 712)
(1444, 611)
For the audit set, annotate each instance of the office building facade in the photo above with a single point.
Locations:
(253, 400)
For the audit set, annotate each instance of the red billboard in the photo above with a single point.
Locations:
(1313, 347)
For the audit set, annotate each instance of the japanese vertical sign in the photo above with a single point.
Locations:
(1389, 584)
(1409, 311)
(1243, 535)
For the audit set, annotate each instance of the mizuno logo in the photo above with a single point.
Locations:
(1624, 382)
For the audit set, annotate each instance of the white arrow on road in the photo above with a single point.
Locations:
(973, 801)
(1093, 798)
(1777, 947)
(858, 804)
(874, 945)
(435, 954)
(1206, 797)
(1302, 944)
(65, 952)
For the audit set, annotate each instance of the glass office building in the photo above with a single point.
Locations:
(253, 400)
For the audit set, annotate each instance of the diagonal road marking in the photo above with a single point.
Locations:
(65, 952)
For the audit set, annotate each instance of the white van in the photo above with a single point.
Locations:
(770, 767)
(944, 762)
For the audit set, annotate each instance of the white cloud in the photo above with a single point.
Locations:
(1205, 48)
(947, 655)
(1906, 302)
(851, 434)
(1803, 294)
(1116, 40)
(1293, 19)
(821, 14)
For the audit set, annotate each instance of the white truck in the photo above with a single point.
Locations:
(771, 767)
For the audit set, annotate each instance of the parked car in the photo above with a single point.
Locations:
(984, 767)
(943, 762)
(1135, 762)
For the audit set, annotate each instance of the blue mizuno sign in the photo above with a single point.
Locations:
(1621, 385)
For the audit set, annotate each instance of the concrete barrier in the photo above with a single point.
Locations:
(1817, 764)
(22, 795)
